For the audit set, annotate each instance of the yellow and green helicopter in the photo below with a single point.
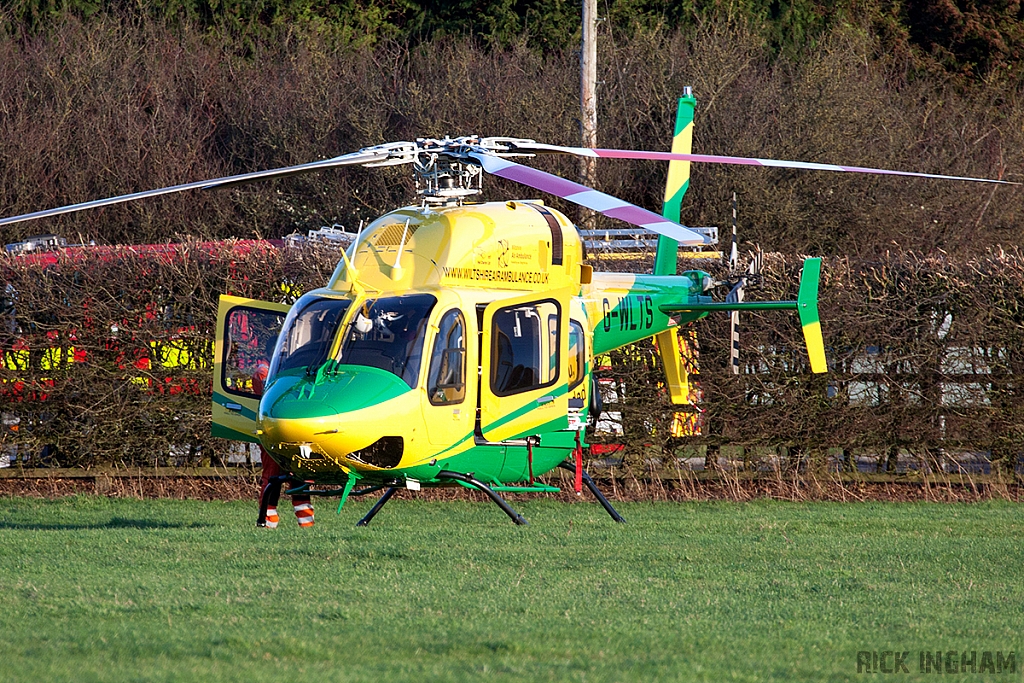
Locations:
(454, 343)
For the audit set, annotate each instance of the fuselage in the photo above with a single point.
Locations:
(456, 337)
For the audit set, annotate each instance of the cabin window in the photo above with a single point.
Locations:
(388, 333)
(249, 338)
(577, 358)
(524, 347)
(308, 334)
(446, 381)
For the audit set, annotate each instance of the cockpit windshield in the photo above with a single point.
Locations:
(388, 333)
(307, 334)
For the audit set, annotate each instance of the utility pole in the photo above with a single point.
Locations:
(588, 104)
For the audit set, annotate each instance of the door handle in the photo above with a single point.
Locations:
(233, 407)
(544, 400)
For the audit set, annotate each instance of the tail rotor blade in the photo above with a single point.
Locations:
(735, 294)
(734, 332)
(734, 337)
(734, 256)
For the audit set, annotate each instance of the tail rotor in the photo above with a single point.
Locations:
(738, 282)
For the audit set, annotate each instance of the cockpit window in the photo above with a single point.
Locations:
(387, 333)
(308, 333)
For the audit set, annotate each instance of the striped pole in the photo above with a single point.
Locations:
(734, 316)
(734, 328)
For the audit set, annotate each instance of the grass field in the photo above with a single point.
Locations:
(97, 589)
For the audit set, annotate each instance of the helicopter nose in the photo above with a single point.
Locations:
(335, 414)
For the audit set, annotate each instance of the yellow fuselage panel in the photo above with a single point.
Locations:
(520, 246)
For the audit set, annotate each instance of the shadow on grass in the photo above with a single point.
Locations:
(114, 523)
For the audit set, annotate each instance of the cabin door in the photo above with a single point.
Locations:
(247, 331)
(450, 405)
(524, 345)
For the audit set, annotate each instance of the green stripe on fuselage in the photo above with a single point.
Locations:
(516, 414)
(223, 400)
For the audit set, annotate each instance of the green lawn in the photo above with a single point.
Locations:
(97, 589)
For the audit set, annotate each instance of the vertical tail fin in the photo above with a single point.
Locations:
(666, 257)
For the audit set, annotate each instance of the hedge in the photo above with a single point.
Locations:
(107, 360)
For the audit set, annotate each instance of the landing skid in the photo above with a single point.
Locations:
(480, 486)
(467, 479)
(456, 476)
(593, 489)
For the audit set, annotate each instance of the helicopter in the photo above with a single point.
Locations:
(454, 343)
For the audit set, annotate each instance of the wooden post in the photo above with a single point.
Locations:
(588, 104)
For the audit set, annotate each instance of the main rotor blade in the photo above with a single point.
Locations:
(741, 161)
(355, 158)
(588, 197)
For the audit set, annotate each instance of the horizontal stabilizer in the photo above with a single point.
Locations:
(806, 306)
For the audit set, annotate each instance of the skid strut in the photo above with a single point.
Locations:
(589, 483)
(381, 502)
(479, 485)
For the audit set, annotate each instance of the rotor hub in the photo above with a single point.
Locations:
(444, 170)
(443, 180)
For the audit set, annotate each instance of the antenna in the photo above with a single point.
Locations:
(396, 270)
